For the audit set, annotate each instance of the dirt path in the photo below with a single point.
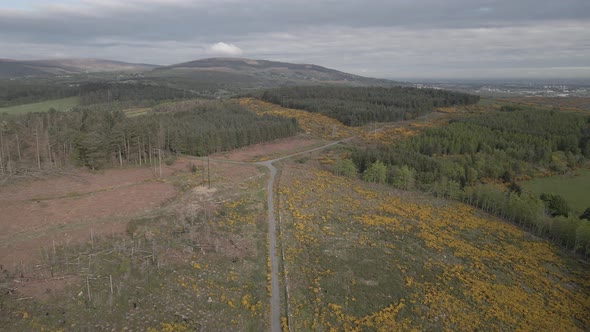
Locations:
(275, 305)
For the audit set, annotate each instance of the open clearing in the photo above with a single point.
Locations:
(63, 104)
(565, 103)
(183, 263)
(270, 150)
(65, 208)
(574, 188)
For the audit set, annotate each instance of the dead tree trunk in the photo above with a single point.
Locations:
(38, 152)
(139, 150)
(150, 150)
(126, 146)
(49, 151)
(160, 161)
(120, 156)
(1, 153)
(18, 146)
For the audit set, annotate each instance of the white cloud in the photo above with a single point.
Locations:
(224, 49)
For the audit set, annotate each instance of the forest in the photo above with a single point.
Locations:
(479, 160)
(137, 93)
(22, 92)
(493, 145)
(356, 106)
(98, 137)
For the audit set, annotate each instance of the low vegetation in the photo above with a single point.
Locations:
(314, 124)
(197, 263)
(579, 104)
(573, 187)
(366, 257)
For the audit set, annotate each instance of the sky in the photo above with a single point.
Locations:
(397, 39)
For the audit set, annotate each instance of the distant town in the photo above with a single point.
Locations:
(516, 88)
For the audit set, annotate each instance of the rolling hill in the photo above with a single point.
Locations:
(260, 73)
(210, 77)
(17, 68)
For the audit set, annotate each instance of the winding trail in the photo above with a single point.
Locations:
(275, 303)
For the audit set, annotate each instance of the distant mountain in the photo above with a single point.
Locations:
(217, 76)
(261, 73)
(17, 68)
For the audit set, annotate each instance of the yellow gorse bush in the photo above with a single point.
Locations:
(477, 271)
(314, 123)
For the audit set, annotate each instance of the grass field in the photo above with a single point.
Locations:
(487, 102)
(565, 103)
(63, 104)
(574, 188)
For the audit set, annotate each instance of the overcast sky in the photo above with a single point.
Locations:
(379, 38)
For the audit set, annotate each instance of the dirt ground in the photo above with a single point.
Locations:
(270, 150)
(42, 289)
(69, 208)
(72, 207)
(36, 214)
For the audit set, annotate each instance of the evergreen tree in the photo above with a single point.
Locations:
(555, 205)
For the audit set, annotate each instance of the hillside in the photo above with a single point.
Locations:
(16, 68)
(230, 72)
(362, 257)
(183, 244)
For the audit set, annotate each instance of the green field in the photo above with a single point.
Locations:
(487, 102)
(133, 112)
(63, 104)
(574, 188)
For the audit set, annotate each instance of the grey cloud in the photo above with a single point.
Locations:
(183, 20)
(377, 37)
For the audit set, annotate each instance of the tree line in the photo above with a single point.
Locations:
(136, 93)
(22, 92)
(356, 106)
(98, 137)
(479, 159)
(488, 146)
